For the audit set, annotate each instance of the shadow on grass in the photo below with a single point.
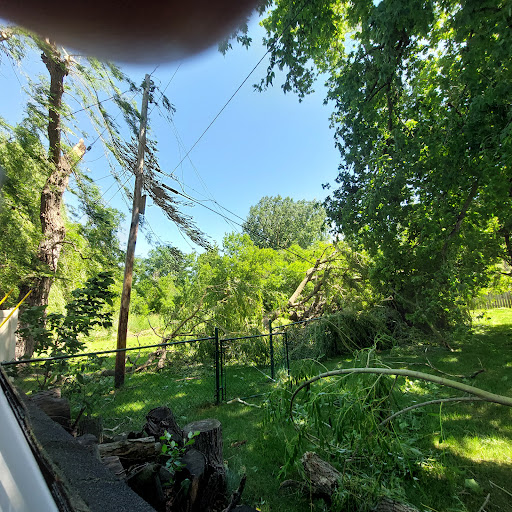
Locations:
(473, 441)
(457, 483)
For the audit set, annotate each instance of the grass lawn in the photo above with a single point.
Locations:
(469, 444)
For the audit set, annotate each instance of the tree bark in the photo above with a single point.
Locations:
(52, 225)
(322, 476)
(387, 505)
(209, 443)
(159, 421)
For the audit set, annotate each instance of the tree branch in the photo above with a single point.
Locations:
(69, 242)
(430, 402)
(462, 214)
(484, 395)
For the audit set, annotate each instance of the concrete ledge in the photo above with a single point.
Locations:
(90, 486)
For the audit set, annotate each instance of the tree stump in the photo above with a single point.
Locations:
(91, 425)
(56, 407)
(160, 420)
(209, 443)
(322, 476)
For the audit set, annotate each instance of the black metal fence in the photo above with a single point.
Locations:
(185, 375)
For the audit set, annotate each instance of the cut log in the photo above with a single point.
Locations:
(159, 421)
(387, 505)
(132, 451)
(321, 475)
(56, 407)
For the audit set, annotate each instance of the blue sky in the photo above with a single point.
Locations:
(262, 144)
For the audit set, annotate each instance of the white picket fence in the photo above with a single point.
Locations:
(491, 301)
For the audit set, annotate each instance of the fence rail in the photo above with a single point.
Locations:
(193, 373)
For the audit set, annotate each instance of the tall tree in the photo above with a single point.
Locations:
(421, 93)
(84, 79)
(279, 223)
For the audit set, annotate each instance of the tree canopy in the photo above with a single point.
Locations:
(420, 93)
(278, 222)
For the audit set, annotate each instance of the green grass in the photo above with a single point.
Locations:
(470, 441)
(470, 444)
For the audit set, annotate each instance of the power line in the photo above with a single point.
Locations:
(165, 88)
(180, 144)
(243, 83)
(106, 127)
(96, 104)
(257, 235)
(118, 189)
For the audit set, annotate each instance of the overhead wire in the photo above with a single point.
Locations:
(182, 145)
(87, 107)
(187, 153)
(257, 235)
(118, 114)
(243, 82)
(165, 88)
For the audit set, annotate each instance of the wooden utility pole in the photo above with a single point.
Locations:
(132, 239)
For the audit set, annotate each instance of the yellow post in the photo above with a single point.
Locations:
(12, 312)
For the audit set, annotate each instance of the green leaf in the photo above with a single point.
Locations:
(472, 484)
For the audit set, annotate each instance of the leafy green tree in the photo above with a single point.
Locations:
(162, 261)
(63, 334)
(240, 286)
(154, 279)
(50, 118)
(101, 225)
(421, 93)
(279, 223)
(22, 159)
(84, 79)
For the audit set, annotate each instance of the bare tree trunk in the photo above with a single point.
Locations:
(52, 225)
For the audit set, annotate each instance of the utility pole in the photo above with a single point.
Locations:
(132, 239)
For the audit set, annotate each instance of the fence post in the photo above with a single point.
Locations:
(271, 349)
(286, 351)
(217, 367)
(223, 385)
